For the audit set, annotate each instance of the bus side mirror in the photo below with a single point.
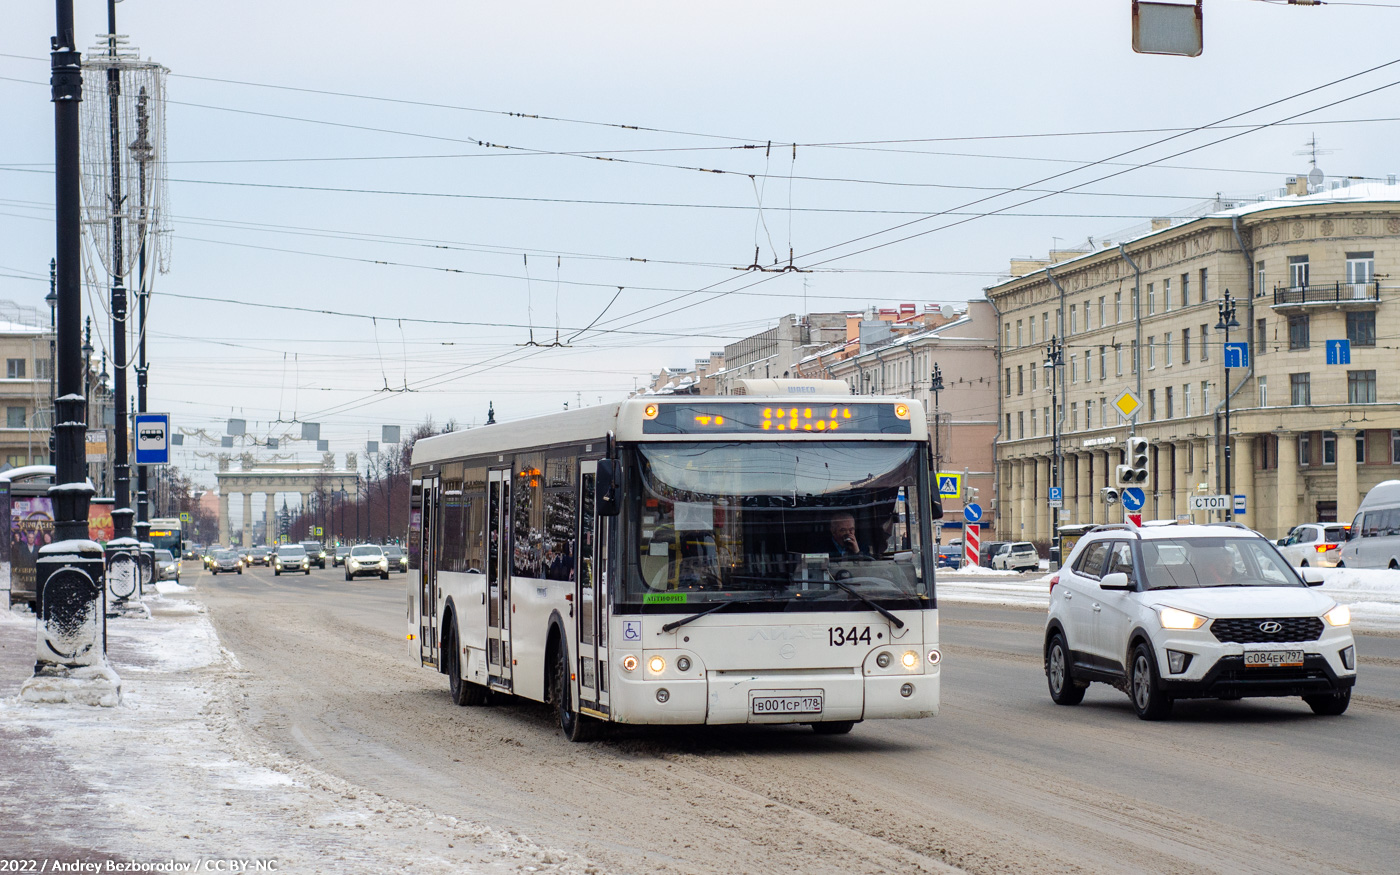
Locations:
(605, 488)
(937, 509)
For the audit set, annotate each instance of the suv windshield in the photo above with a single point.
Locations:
(291, 551)
(366, 550)
(1203, 562)
(790, 520)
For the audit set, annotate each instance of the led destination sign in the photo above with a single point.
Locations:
(745, 417)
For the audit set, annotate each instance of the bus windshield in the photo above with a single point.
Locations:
(831, 520)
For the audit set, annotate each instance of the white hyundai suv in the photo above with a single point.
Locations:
(1190, 612)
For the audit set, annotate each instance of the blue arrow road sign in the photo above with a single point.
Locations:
(152, 438)
(1236, 355)
(972, 513)
(1339, 352)
(1133, 498)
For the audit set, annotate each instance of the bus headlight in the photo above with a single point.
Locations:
(884, 659)
(629, 662)
(656, 664)
(910, 659)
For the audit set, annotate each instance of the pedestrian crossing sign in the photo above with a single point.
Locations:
(949, 485)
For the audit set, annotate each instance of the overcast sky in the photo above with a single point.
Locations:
(919, 115)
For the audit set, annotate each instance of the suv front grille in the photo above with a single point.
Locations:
(1247, 631)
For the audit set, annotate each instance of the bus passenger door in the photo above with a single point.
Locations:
(430, 497)
(498, 564)
(591, 597)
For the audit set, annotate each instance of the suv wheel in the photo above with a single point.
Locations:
(1063, 688)
(1145, 687)
(1329, 704)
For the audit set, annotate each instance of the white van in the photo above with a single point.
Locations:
(1375, 533)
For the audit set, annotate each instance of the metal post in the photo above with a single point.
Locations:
(69, 575)
(1054, 361)
(143, 151)
(1227, 321)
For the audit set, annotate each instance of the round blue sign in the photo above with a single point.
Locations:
(972, 512)
(1133, 498)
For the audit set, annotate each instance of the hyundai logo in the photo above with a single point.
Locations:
(1271, 627)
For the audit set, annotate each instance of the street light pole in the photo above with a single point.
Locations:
(1054, 360)
(1227, 321)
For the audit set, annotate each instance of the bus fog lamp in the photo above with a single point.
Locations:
(656, 664)
(907, 690)
(683, 664)
(884, 659)
(910, 659)
(663, 695)
(629, 662)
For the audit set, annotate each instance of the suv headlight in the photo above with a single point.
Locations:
(1338, 616)
(1175, 618)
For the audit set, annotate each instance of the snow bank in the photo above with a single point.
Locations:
(167, 587)
(171, 773)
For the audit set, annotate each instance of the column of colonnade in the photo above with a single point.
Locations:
(1181, 464)
(269, 517)
(1244, 483)
(225, 524)
(1040, 497)
(1346, 474)
(1286, 513)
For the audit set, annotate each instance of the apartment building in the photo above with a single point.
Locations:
(1309, 435)
(25, 386)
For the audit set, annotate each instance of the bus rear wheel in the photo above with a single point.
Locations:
(834, 727)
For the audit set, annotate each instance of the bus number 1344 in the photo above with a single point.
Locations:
(836, 636)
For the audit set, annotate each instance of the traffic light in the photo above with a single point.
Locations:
(970, 495)
(1110, 495)
(1135, 472)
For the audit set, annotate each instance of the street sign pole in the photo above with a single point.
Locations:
(1226, 322)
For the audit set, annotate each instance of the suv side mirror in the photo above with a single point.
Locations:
(605, 488)
(1312, 576)
(1115, 581)
(1282, 542)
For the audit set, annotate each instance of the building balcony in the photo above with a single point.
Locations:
(1336, 294)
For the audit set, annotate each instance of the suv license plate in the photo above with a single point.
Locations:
(1273, 659)
(806, 704)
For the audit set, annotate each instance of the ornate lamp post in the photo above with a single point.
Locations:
(1054, 361)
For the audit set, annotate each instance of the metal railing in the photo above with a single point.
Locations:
(1328, 293)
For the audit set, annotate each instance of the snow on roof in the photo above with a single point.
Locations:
(7, 327)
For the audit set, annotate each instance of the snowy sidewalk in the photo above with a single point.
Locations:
(169, 775)
(1373, 595)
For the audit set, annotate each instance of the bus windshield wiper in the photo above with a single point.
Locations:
(676, 624)
(898, 623)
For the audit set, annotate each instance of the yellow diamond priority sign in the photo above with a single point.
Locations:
(1128, 403)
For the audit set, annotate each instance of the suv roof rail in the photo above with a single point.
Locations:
(1115, 527)
(1231, 524)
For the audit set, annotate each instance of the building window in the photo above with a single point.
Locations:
(1103, 311)
(1047, 420)
(1008, 426)
(1089, 414)
(1298, 271)
(1205, 396)
(1103, 363)
(14, 369)
(1361, 447)
(1301, 389)
(1073, 319)
(14, 417)
(1361, 269)
(1135, 357)
(1151, 405)
(1186, 346)
(1008, 335)
(1304, 450)
(1151, 353)
(1087, 323)
(1030, 326)
(1166, 296)
(1073, 369)
(1395, 446)
(1008, 388)
(1361, 387)
(1018, 332)
(1118, 360)
(1205, 348)
(1298, 331)
(1020, 380)
(1259, 278)
(1045, 325)
(1261, 337)
(1103, 411)
(1263, 391)
(1186, 400)
(43, 370)
(1021, 423)
(1167, 348)
(1329, 448)
(1204, 295)
(1361, 327)
(1151, 299)
(1185, 289)
(1117, 306)
(1170, 412)
(1074, 416)
(1033, 377)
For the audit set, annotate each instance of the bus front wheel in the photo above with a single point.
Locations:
(574, 725)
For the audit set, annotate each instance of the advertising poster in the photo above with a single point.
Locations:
(100, 522)
(31, 527)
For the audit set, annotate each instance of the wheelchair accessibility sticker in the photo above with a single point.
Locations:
(631, 630)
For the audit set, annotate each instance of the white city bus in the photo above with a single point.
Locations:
(672, 561)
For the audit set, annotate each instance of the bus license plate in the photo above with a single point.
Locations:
(779, 702)
(1273, 659)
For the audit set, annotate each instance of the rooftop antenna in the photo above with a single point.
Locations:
(1315, 175)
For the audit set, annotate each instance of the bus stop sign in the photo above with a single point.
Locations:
(152, 438)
